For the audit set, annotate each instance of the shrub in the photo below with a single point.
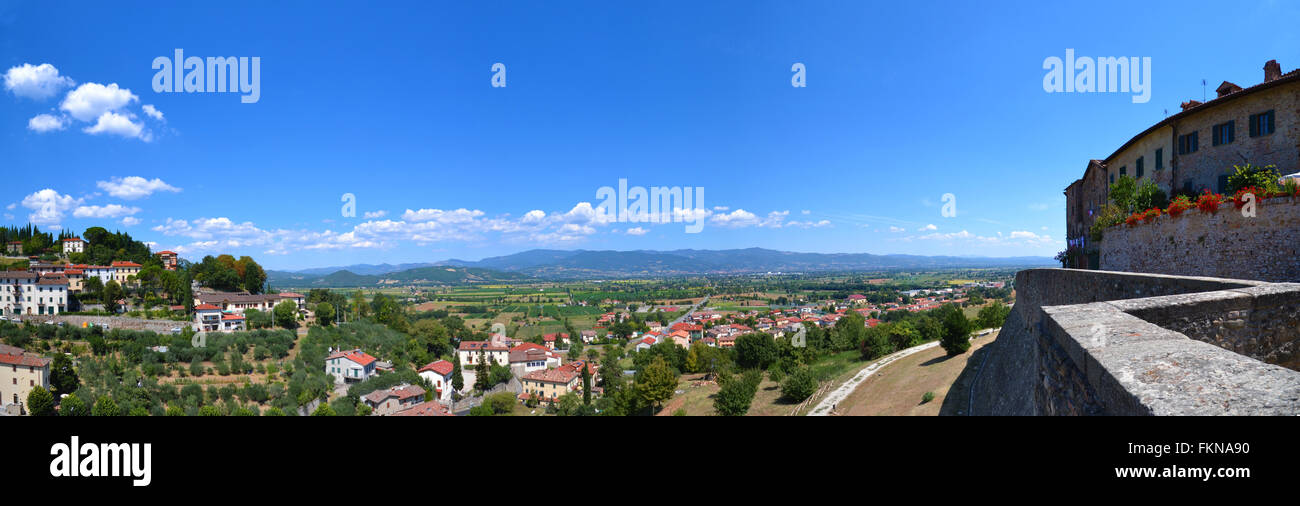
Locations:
(800, 385)
(1151, 214)
(1149, 195)
(929, 396)
(1249, 176)
(1133, 219)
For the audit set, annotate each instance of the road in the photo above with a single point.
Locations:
(683, 317)
(839, 394)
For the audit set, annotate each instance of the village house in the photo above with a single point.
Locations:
(389, 401)
(124, 272)
(20, 373)
(350, 365)
(438, 374)
(27, 293)
(73, 245)
(588, 336)
(529, 357)
(430, 408)
(169, 259)
(548, 385)
(469, 351)
(550, 340)
(14, 248)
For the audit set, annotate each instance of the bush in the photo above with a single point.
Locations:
(929, 396)
(1249, 176)
(800, 385)
(500, 402)
(40, 402)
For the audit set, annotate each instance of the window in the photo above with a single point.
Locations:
(1223, 133)
(1223, 183)
(1188, 143)
(1139, 171)
(1261, 124)
(1160, 158)
(1123, 171)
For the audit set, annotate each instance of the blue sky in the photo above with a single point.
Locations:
(394, 104)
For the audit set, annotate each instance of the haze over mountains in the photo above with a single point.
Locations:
(571, 264)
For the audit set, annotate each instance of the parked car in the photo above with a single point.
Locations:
(176, 330)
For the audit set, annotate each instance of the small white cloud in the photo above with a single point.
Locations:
(45, 122)
(927, 228)
(896, 229)
(37, 82)
(130, 221)
(806, 212)
(117, 124)
(134, 187)
(91, 100)
(375, 214)
(108, 211)
(48, 207)
(152, 112)
(636, 231)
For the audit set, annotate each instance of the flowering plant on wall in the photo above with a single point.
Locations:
(1208, 202)
(1151, 214)
(1239, 198)
(1133, 219)
(1181, 203)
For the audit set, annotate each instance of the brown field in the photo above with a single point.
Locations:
(898, 387)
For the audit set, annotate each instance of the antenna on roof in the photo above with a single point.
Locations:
(1202, 90)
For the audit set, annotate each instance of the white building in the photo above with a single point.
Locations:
(439, 375)
(25, 293)
(350, 365)
(73, 245)
(469, 351)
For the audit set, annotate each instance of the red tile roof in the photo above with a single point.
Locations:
(125, 264)
(357, 356)
(430, 408)
(22, 359)
(480, 345)
(206, 307)
(441, 367)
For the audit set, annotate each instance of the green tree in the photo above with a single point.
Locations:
(325, 314)
(736, 394)
(72, 405)
(323, 410)
(656, 383)
(992, 315)
(956, 331)
(40, 402)
(209, 410)
(799, 385)
(286, 314)
(112, 293)
(586, 384)
(105, 406)
(457, 379)
(755, 351)
(63, 377)
(175, 410)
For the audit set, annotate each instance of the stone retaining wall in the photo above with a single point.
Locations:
(1084, 342)
(1224, 244)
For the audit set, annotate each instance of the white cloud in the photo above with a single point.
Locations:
(134, 187)
(130, 221)
(107, 211)
(45, 122)
(91, 100)
(896, 229)
(36, 82)
(461, 215)
(805, 212)
(927, 228)
(809, 224)
(636, 231)
(48, 207)
(152, 112)
(369, 215)
(117, 124)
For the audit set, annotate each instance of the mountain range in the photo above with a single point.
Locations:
(580, 264)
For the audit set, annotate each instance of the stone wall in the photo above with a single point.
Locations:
(1224, 244)
(1084, 342)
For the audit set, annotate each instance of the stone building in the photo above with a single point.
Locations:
(1196, 149)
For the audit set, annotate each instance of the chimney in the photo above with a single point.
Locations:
(1189, 104)
(1272, 71)
(1227, 88)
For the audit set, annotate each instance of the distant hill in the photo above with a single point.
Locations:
(363, 268)
(447, 275)
(584, 263)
